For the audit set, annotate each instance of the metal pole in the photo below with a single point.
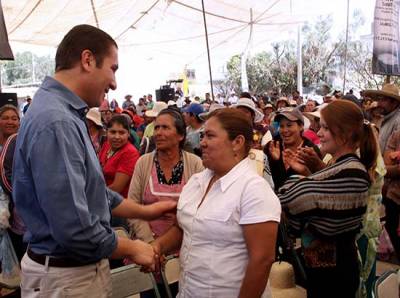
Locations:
(208, 49)
(299, 62)
(1, 79)
(245, 54)
(345, 47)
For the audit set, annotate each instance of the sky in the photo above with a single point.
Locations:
(138, 76)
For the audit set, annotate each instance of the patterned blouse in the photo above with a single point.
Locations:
(177, 172)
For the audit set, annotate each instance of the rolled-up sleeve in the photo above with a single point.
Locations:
(80, 225)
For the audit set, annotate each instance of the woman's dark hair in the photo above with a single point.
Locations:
(179, 122)
(119, 119)
(235, 123)
(346, 122)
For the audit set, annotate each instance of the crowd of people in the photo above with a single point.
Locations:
(208, 180)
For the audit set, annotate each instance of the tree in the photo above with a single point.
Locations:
(20, 71)
(277, 68)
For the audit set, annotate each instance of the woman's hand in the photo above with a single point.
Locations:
(274, 150)
(292, 160)
(310, 158)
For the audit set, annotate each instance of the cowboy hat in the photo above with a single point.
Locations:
(282, 282)
(388, 90)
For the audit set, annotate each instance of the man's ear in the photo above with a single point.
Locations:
(87, 60)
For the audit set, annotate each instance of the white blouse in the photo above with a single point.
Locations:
(214, 254)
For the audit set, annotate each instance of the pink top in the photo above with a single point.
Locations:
(156, 192)
(312, 136)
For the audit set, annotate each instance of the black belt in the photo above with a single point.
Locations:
(55, 262)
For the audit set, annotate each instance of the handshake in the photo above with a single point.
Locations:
(147, 255)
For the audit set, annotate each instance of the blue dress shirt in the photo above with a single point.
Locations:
(58, 185)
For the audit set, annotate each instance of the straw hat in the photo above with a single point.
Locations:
(213, 107)
(157, 108)
(282, 282)
(95, 116)
(388, 90)
(249, 103)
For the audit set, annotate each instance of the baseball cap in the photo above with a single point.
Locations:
(194, 108)
(292, 114)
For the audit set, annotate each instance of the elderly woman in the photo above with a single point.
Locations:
(222, 212)
(291, 125)
(161, 174)
(326, 208)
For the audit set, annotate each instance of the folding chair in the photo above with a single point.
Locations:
(129, 280)
(387, 285)
(170, 273)
(121, 232)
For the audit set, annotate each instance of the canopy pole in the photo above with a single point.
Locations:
(245, 54)
(208, 50)
(345, 47)
(95, 14)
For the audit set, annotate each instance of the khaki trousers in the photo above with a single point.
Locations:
(53, 282)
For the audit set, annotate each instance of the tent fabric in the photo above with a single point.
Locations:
(5, 49)
(170, 28)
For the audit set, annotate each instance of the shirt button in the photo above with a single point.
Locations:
(86, 110)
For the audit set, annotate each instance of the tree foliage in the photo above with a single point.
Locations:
(27, 68)
(322, 57)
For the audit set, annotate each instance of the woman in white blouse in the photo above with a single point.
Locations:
(227, 217)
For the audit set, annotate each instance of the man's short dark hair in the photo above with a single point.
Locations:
(80, 38)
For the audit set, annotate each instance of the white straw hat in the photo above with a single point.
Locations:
(157, 108)
(282, 282)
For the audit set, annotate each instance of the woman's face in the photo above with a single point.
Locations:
(328, 142)
(217, 149)
(117, 136)
(166, 136)
(9, 123)
(290, 132)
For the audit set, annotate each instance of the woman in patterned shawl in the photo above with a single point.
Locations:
(326, 208)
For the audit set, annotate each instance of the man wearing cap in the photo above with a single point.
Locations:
(150, 102)
(128, 102)
(59, 189)
(389, 101)
(194, 125)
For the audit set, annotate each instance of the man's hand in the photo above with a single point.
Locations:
(142, 253)
(158, 258)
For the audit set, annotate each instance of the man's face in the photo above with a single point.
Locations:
(103, 78)
(387, 104)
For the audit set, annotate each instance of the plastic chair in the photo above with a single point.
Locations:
(387, 285)
(170, 273)
(129, 280)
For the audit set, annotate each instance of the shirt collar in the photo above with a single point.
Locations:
(234, 174)
(67, 97)
(391, 114)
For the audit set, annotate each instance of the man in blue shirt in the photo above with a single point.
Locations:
(58, 185)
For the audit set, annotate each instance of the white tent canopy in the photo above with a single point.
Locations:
(165, 31)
